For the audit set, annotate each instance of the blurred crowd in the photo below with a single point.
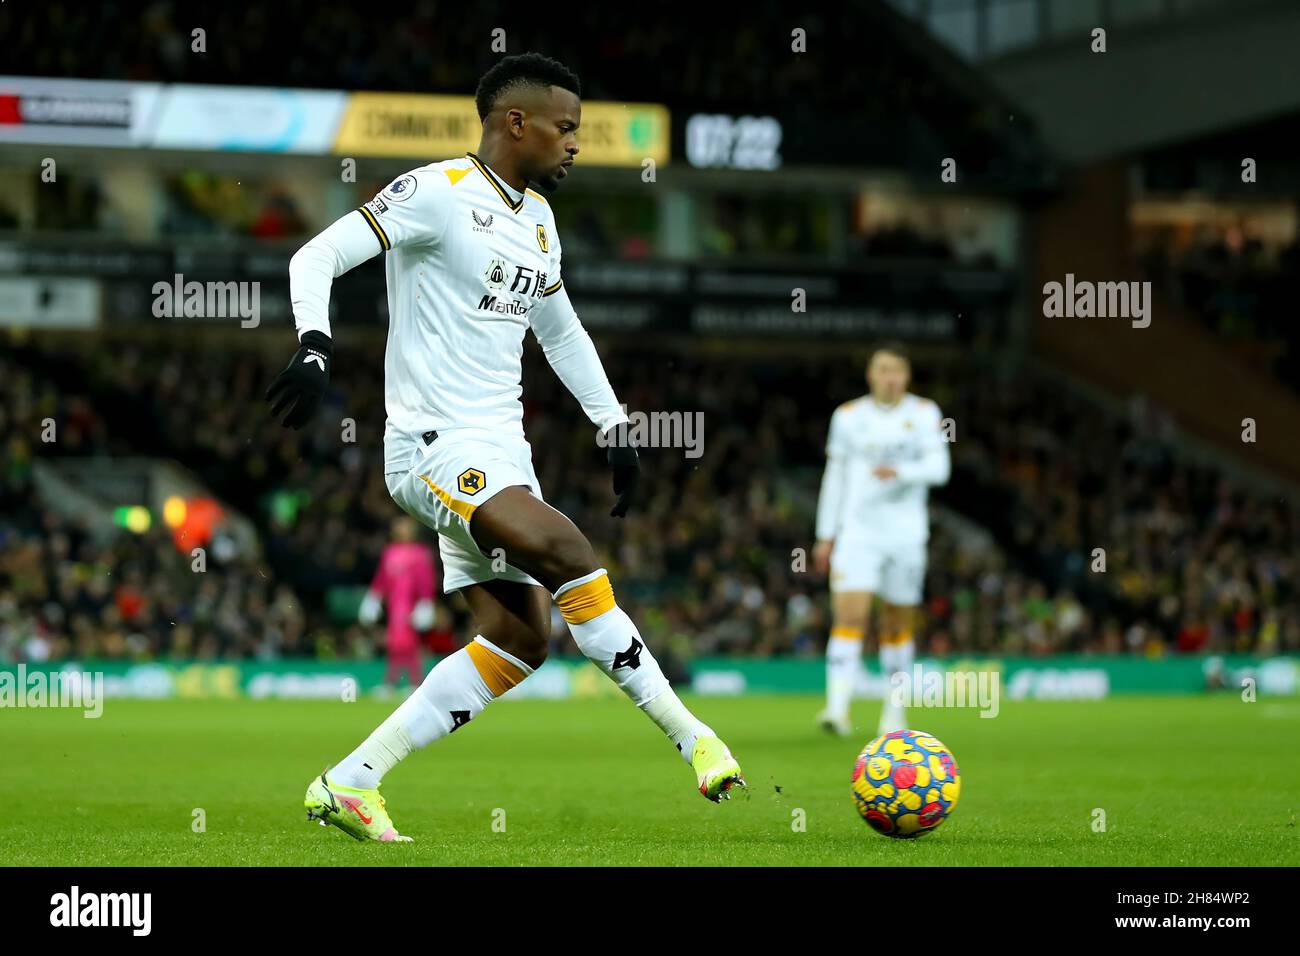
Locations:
(199, 203)
(1129, 546)
(194, 203)
(1242, 287)
(67, 591)
(1095, 536)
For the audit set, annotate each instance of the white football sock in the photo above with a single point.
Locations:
(453, 693)
(609, 639)
(843, 660)
(682, 727)
(896, 658)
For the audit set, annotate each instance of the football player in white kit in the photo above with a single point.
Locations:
(884, 452)
(473, 263)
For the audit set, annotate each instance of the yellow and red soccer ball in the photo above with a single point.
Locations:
(905, 783)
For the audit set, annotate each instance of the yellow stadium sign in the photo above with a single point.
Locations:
(439, 127)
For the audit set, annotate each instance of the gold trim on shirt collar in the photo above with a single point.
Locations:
(496, 183)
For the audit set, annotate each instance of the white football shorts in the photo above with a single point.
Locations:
(448, 479)
(895, 572)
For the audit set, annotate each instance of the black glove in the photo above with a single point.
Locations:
(626, 465)
(297, 392)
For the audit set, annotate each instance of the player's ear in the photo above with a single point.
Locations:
(515, 123)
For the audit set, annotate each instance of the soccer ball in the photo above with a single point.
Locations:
(905, 783)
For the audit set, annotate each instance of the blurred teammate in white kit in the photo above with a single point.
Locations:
(884, 452)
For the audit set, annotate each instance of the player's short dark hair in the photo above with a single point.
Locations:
(523, 69)
(892, 347)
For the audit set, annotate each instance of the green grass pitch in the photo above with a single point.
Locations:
(1182, 781)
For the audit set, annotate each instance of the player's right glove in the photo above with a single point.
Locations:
(297, 392)
(371, 607)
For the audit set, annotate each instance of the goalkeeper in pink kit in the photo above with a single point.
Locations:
(405, 581)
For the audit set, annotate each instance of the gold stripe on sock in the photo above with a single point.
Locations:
(846, 633)
(587, 601)
(901, 637)
(497, 672)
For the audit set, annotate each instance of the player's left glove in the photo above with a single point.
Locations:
(422, 615)
(298, 391)
(626, 465)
